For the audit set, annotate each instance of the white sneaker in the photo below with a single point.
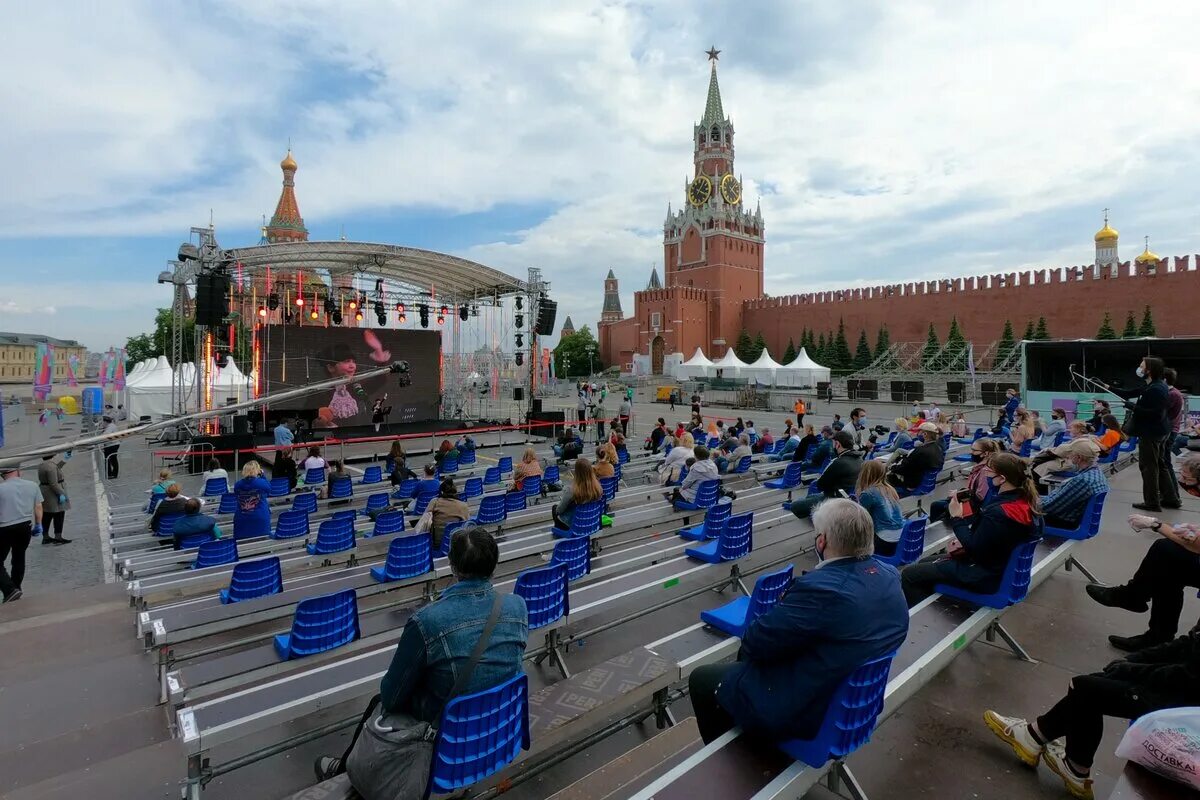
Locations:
(1055, 757)
(1015, 731)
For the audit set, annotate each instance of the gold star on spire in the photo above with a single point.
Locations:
(713, 53)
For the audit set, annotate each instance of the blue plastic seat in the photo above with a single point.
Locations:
(1026, 449)
(378, 501)
(715, 518)
(735, 541)
(1089, 523)
(979, 434)
(707, 493)
(768, 448)
(194, 540)
(1014, 584)
(617, 470)
(215, 487)
(349, 515)
(341, 488)
(491, 510)
(551, 474)
(712, 442)
(319, 624)
(333, 536)
(252, 579)
(290, 524)
(449, 464)
(466, 457)
(545, 593)
(1129, 445)
(1110, 457)
(850, 718)
(504, 465)
(421, 503)
(609, 487)
(753, 438)
(448, 534)
(743, 465)
(280, 487)
(305, 501)
(734, 617)
(790, 478)
(228, 504)
(927, 485)
(153, 502)
(388, 522)
(216, 552)
(682, 474)
(472, 488)
(584, 521)
(406, 489)
(314, 476)
(622, 456)
(816, 468)
(911, 544)
(166, 524)
(407, 557)
(514, 501)
(491, 476)
(372, 474)
(532, 485)
(576, 553)
(479, 734)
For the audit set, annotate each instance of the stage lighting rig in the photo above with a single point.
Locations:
(379, 312)
(520, 303)
(313, 314)
(358, 316)
(330, 306)
(519, 358)
(520, 340)
(403, 318)
(399, 308)
(441, 320)
(519, 320)
(464, 313)
(423, 312)
(353, 304)
(273, 301)
(262, 311)
(336, 316)
(299, 301)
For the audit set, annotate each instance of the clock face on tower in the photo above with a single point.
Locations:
(700, 190)
(731, 190)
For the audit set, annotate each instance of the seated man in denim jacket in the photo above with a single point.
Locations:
(438, 640)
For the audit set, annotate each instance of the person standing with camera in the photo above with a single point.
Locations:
(1149, 422)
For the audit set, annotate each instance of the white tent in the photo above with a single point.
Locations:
(729, 366)
(229, 384)
(150, 394)
(763, 370)
(803, 371)
(695, 367)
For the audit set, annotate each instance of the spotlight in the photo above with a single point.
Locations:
(353, 304)
(519, 358)
(299, 301)
(362, 299)
(520, 303)
(464, 313)
(358, 316)
(379, 312)
(381, 319)
(222, 359)
(313, 314)
(403, 318)
(379, 286)
(444, 311)
(336, 316)
(288, 316)
(262, 311)
(423, 311)
(330, 306)
(400, 308)
(441, 320)
(520, 340)
(519, 320)
(272, 301)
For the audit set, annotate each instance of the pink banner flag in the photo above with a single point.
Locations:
(73, 370)
(119, 371)
(43, 371)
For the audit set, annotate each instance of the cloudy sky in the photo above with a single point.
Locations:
(887, 141)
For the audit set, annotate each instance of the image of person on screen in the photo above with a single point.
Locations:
(339, 363)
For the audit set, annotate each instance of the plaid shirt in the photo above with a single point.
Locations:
(1068, 501)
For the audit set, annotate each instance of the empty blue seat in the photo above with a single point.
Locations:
(216, 552)
(479, 734)
(305, 501)
(279, 487)
(505, 465)
(790, 478)
(166, 524)
(252, 579)
(491, 510)
(545, 593)
(850, 718)
(707, 493)
(333, 536)
(491, 476)
(406, 489)
(911, 543)
(341, 488)
(735, 541)
(576, 553)
(551, 474)
(319, 624)
(734, 617)
(448, 534)
(228, 504)
(743, 465)
(927, 485)
(1089, 523)
(609, 487)
(378, 501)
(290, 524)
(714, 522)
(407, 557)
(449, 464)
(193, 540)
(472, 488)
(349, 515)
(1014, 584)
(532, 485)
(979, 434)
(514, 501)
(584, 521)
(421, 503)
(466, 457)
(372, 474)
(388, 522)
(215, 487)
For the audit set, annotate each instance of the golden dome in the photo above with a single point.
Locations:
(290, 163)
(1147, 257)
(1106, 234)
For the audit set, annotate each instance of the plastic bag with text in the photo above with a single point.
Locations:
(1166, 742)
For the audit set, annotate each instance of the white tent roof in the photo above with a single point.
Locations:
(157, 373)
(698, 359)
(803, 361)
(765, 361)
(729, 361)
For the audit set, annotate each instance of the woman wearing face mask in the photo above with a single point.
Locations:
(979, 479)
(1056, 425)
(983, 543)
(1152, 427)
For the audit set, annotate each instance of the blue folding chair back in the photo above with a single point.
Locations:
(479, 735)
(743, 465)
(715, 518)
(388, 522)
(617, 470)
(927, 485)
(735, 541)
(194, 540)
(491, 510)
(466, 457)
(532, 485)
(216, 552)
(251, 579)
(407, 557)
(505, 465)
(349, 515)
(290, 524)
(319, 624)
(584, 521)
(421, 503)
(790, 478)
(734, 617)
(341, 488)
(622, 456)
(753, 438)
(473, 487)
(448, 534)
(377, 501)
(449, 463)
(1128, 445)
(279, 487)
(609, 486)
(228, 504)
(1014, 584)
(712, 442)
(1110, 457)
(1089, 524)
(372, 474)
(576, 553)
(1026, 448)
(707, 493)
(850, 718)
(545, 593)
(491, 476)
(911, 544)
(333, 536)
(406, 489)
(215, 487)
(551, 474)
(166, 524)
(314, 476)
(153, 502)
(305, 501)
(514, 501)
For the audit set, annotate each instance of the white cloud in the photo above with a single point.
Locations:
(12, 307)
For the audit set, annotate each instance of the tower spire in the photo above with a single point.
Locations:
(713, 112)
(286, 223)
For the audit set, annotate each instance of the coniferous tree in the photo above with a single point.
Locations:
(1008, 341)
(883, 342)
(818, 353)
(759, 345)
(1030, 334)
(1107, 331)
(929, 354)
(806, 340)
(789, 355)
(862, 353)
(1130, 331)
(955, 357)
(1042, 333)
(1147, 326)
(845, 359)
(743, 346)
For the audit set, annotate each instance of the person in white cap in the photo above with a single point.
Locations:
(1065, 506)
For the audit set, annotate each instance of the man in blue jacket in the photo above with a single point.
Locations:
(829, 622)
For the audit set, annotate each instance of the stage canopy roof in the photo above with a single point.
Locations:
(421, 270)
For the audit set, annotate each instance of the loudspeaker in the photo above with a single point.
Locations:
(547, 310)
(518, 393)
(992, 394)
(914, 390)
(897, 389)
(862, 390)
(212, 300)
(825, 391)
(242, 424)
(537, 405)
(956, 391)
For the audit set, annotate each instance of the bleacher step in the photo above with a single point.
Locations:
(631, 771)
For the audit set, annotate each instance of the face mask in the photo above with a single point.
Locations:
(977, 457)
(862, 422)
(1141, 373)
(820, 548)
(997, 484)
